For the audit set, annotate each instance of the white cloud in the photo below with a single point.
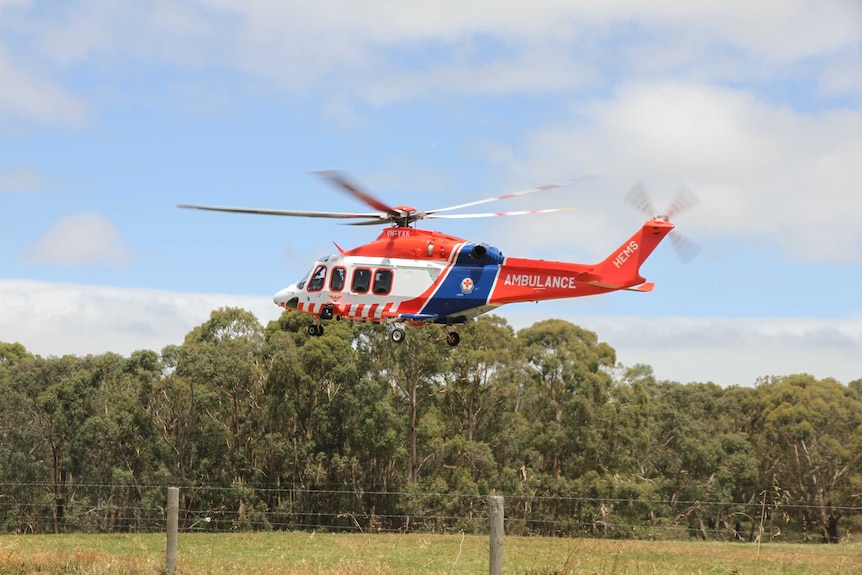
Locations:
(388, 52)
(769, 27)
(385, 51)
(533, 69)
(843, 75)
(82, 239)
(57, 318)
(21, 179)
(766, 172)
(26, 95)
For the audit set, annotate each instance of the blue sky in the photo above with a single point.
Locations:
(111, 113)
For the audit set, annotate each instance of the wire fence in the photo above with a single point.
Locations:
(42, 508)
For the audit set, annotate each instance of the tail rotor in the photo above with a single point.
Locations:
(684, 200)
(638, 198)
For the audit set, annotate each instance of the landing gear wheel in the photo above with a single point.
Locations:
(315, 330)
(397, 335)
(453, 339)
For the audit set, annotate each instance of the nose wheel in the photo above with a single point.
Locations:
(315, 330)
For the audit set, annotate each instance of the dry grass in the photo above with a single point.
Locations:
(390, 554)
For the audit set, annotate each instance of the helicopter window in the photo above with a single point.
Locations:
(336, 281)
(382, 282)
(301, 283)
(317, 279)
(361, 280)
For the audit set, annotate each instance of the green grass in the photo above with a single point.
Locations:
(389, 554)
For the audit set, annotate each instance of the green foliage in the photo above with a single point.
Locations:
(268, 428)
(13, 353)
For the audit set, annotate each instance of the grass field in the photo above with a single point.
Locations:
(385, 554)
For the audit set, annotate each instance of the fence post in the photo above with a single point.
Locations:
(173, 527)
(496, 532)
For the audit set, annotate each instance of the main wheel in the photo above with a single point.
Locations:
(452, 338)
(397, 335)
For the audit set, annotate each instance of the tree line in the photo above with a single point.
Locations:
(289, 431)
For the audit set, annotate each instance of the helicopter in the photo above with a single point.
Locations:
(410, 276)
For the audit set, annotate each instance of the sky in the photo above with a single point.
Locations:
(113, 112)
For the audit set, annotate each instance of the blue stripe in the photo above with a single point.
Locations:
(453, 296)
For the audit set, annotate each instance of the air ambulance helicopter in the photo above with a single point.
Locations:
(411, 277)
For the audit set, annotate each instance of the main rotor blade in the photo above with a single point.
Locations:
(387, 213)
(466, 216)
(340, 181)
(432, 216)
(513, 194)
(341, 215)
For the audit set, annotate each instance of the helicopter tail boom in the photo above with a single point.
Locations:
(622, 267)
(533, 280)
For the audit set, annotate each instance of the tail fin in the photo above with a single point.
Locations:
(622, 267)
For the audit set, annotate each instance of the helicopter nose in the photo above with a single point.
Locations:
(286, 298)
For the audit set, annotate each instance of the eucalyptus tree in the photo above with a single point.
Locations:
(282, 448)
(810, 444)
(698, 461)
(308, 380)
(413, 369)
(60, 395)
(477, 405)
(333, 421)
(478, 375)
(627, 435)
(116, 449)
(23, 449)
(568, 381)
(227, 355)
(207, 403)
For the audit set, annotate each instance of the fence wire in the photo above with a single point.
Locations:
(42, 508)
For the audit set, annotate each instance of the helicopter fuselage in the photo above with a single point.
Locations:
(414, 276)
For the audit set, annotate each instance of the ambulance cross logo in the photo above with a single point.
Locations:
(466, 285)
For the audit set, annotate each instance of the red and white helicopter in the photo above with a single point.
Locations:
(411, 276)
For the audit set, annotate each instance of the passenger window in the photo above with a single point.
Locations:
(317, 279)
(361, 280)
(336, 281)
(382, 282)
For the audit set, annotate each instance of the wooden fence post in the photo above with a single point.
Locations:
(172, 528)
(496, 532)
